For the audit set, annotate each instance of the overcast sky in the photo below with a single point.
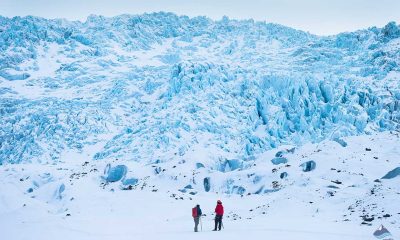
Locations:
(321, 17)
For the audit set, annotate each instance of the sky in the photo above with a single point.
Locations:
(322, 17)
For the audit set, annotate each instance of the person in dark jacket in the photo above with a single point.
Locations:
(219, 212)
(196, 214)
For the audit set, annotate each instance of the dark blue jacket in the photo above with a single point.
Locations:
(199, 213)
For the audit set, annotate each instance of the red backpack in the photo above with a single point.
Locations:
(194, 212)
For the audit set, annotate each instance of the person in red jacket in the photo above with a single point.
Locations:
(219, 212)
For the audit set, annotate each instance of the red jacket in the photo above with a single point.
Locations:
(219, 209)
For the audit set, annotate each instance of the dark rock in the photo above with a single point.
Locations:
(337, 182)
(365, 223)
(283, 175)
(366, 218)
(206, 183)
(157, 170)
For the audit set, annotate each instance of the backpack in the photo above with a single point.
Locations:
(194, 212)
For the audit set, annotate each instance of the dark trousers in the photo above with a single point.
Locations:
(218, 222)
(196, 223)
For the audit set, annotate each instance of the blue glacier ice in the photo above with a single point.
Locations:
(151, 86)
(308, 166)
(392, 174)
(130, 181)
(114, 174)
(58, 194)
(199, 165)
(279, 160)
(238, 190)
(342, 142)
(231, 165)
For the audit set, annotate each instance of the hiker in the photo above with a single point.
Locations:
(196, 214)
(219, 211)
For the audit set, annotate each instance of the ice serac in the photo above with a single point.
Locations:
(392, 174)
(59, 191)
(162, 86)
(114, 174)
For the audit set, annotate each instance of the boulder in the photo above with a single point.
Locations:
(279, 160)
(308, 166)
(199, 165)
(114, 174)
(283, 152)
(130, 181)
(206, 183)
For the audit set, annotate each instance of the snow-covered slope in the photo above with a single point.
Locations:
(346, 196)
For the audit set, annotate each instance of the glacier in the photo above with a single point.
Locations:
(132, 119)
(159, 86)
